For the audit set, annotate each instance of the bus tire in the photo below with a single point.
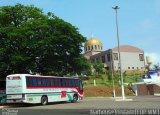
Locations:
(75, 98)
(44, 100)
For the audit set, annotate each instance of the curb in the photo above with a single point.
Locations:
(124, 100)
(98, 97)
(107, 97)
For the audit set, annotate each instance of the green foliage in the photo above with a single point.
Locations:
(109, 75)
(108, 84)
(156, 67)
(98, 67)
(33, 41)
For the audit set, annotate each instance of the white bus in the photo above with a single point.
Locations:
(26, 88)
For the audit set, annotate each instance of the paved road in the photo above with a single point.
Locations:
(89, 104)
(101, 102)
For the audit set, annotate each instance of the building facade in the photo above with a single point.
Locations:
(132, 58)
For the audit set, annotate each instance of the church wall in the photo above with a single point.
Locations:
(130, 61)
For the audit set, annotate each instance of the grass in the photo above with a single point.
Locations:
(104, 88)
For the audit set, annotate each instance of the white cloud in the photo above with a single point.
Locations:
(155, 57)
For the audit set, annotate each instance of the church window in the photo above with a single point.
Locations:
(108, 57)
(92, 47)
(88, 47)
(98, 47)
(141, 57)
(95, 47)
(103, 59)
(115, 56)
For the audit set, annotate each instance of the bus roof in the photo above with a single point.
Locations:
(42, 76)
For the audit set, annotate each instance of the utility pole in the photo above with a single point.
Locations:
(120, 64)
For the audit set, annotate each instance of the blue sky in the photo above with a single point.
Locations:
(139, 23)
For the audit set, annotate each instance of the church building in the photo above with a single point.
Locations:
(132, 58)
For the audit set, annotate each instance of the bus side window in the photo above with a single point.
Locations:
(61, 82)
(48, 81)
(43, 81)
(64, 82)
(52, 82)
(55, 81)
(28, 81)
(34, 81)
(76, 81)
(39, 82)
(69, 82)
(73, 84)
(58, 81)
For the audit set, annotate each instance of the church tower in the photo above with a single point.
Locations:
(92, 47)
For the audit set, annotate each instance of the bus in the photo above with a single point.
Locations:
(2, 91)
(26, 88)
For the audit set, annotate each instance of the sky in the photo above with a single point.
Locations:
(138, 20)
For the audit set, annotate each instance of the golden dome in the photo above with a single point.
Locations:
(93, 41)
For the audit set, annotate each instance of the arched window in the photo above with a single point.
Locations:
(88, 48)
(92, 47)
(98, 47)
(95, 47)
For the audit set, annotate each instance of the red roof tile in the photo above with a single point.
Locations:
(127, 48)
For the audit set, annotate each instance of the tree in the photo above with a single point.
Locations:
(15, 52)
(33, 41)
(82, 64)
(156, 67)
(98, 66)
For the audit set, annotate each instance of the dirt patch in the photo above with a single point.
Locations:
(104, 91)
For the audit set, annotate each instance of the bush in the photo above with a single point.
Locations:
(85, 82)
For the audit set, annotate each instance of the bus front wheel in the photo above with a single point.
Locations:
(44, 100)
(75, 98)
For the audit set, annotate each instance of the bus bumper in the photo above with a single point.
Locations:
(14, 101)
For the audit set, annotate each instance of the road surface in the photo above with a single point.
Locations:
(90, 106)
